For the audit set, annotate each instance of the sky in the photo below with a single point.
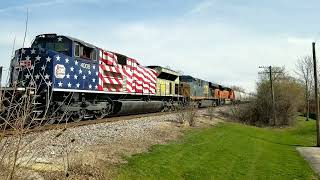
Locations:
(215, 40)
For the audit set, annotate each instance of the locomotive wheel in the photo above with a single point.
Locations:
(99, 115)
(102, 114)
(51, 121)
(68, 117)
(165, 109)
(79, 116)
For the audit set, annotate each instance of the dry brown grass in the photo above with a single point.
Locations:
(191, 117)
(77, 169)
(188, 117)
(210, 112)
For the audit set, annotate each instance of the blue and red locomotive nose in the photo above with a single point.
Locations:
(32, 67)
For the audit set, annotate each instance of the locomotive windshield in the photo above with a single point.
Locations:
(52, 44)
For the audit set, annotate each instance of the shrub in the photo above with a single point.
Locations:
(186, 116)
(191, 117)
(288, 98)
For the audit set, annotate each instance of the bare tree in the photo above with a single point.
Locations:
(304, 71)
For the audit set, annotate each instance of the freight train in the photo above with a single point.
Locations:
(69, 78)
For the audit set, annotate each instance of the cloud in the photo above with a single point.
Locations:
(202, 6)
(31, 5)
(299, 40)
(37, 4)
(220, 52)
(216, 52)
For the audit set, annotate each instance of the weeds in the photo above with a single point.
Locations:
(18, 116)
(186, 117)
(210, 112)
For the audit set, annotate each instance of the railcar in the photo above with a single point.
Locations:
(71, 79)
(241, 97)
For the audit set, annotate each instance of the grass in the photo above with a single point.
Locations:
(228, 151)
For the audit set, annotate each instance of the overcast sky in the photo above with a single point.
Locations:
(216, 40)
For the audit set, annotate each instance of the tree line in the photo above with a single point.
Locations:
(293, 95)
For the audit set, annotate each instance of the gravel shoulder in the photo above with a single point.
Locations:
(57, 152)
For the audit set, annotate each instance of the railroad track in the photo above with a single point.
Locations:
(66, 125)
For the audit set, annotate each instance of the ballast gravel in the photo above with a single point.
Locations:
(53, 145)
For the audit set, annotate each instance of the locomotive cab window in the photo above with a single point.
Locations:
(85, 52)
(52, 44)
(199, 83)
(77, 50)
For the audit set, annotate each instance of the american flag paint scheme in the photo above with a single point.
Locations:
(31, 68)
(104, 75)
(67, 73)
(71, 79)
(70, 73)
(131, 78)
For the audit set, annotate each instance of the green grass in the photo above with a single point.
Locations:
(228, 151)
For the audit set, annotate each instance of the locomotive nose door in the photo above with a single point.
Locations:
(15, 68)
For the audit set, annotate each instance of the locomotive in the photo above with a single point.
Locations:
(76, 80)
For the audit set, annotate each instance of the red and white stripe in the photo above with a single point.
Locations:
(139, 79)
(108, 58)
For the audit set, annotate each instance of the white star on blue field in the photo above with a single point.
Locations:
(216, 40)
(88, 77)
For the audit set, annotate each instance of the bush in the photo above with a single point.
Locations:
(186, 116)
(191, 117)
(210, 112)
(288, 98)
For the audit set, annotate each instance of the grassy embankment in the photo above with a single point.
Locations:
(228, 151)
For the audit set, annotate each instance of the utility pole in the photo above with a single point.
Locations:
(1, 76)
(1, 88)
(272, 97)
(270, 72)
(316, 89)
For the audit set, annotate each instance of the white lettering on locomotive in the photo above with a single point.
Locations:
(85, 66)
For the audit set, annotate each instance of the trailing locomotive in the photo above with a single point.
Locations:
(76, 80)
(204, 94)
